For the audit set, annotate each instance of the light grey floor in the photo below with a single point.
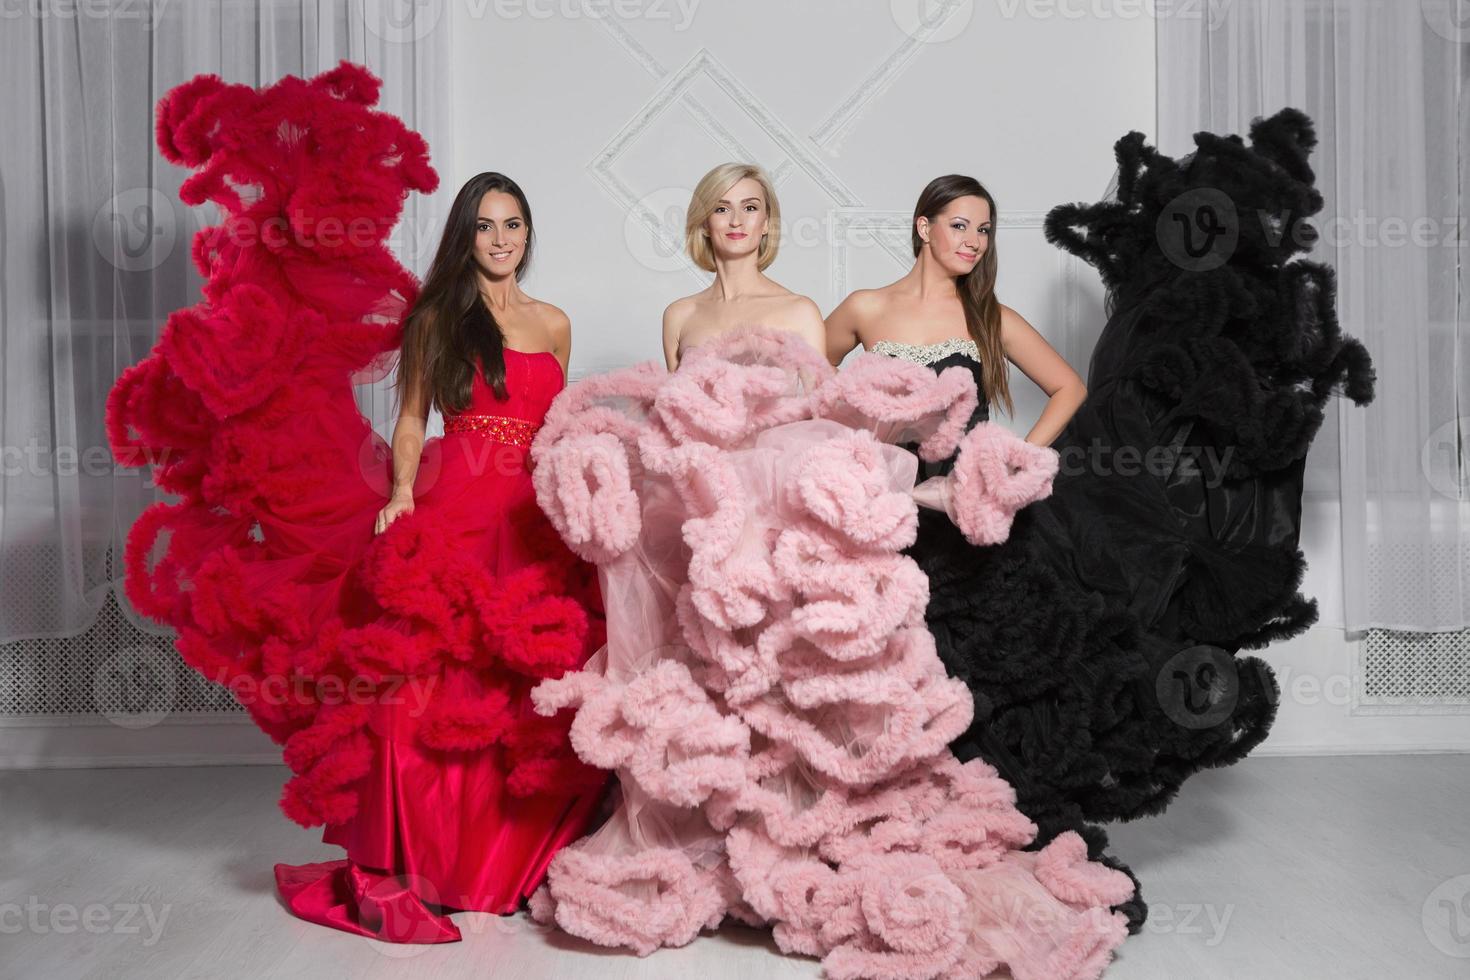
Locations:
(1303, 867)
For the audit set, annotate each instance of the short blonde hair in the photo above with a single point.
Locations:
(707, 195)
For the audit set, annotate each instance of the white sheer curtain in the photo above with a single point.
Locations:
(95, 246)
(1386, 83)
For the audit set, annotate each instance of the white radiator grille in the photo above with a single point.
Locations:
(113, 671)
(1414, 671)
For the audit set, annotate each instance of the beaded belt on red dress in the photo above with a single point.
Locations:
(501, 428)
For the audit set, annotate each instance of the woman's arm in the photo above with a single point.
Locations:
(560, 329)
(673, 322)
(1040, 362)
(805, 320)
(844, 324)
(408, 447)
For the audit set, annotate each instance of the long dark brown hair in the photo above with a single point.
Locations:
(976, 287)
(450, 329)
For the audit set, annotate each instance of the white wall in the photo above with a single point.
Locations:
(604, 121)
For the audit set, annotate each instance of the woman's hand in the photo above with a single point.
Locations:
(398, 505)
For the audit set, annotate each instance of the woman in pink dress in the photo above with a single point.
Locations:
(769, 696)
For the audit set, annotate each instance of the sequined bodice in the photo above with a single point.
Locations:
(928, 353)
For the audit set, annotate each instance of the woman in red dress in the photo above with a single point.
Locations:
(442, 805)
(390, 649)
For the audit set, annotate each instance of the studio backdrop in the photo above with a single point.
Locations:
(607, 113)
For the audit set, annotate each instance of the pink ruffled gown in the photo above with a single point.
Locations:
(769, 695)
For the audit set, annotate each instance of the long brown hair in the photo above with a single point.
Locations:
(450, 329)
(976, 287)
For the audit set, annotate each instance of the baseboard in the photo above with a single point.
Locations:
(100, 745)
(138, 761)
(1366, 748)
(237, 742)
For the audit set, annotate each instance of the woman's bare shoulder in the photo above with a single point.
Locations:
(862, 309)
(680, 309)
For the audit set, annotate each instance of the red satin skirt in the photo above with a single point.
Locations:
(435, 832)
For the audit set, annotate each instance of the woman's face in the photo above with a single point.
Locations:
(959, 235)
(738, 221)
(500, 234)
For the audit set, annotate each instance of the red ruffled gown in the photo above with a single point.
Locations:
(448, 824)
(392, 669)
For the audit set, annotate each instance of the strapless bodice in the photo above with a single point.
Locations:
(532, 380)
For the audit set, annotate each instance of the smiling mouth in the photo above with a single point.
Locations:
(500, 256)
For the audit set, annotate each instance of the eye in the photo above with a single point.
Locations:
(720, 209)
(512, 224)
(752, 207)
(482, 226)
(985, 230)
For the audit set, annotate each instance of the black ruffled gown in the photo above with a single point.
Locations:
(1101, 640)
